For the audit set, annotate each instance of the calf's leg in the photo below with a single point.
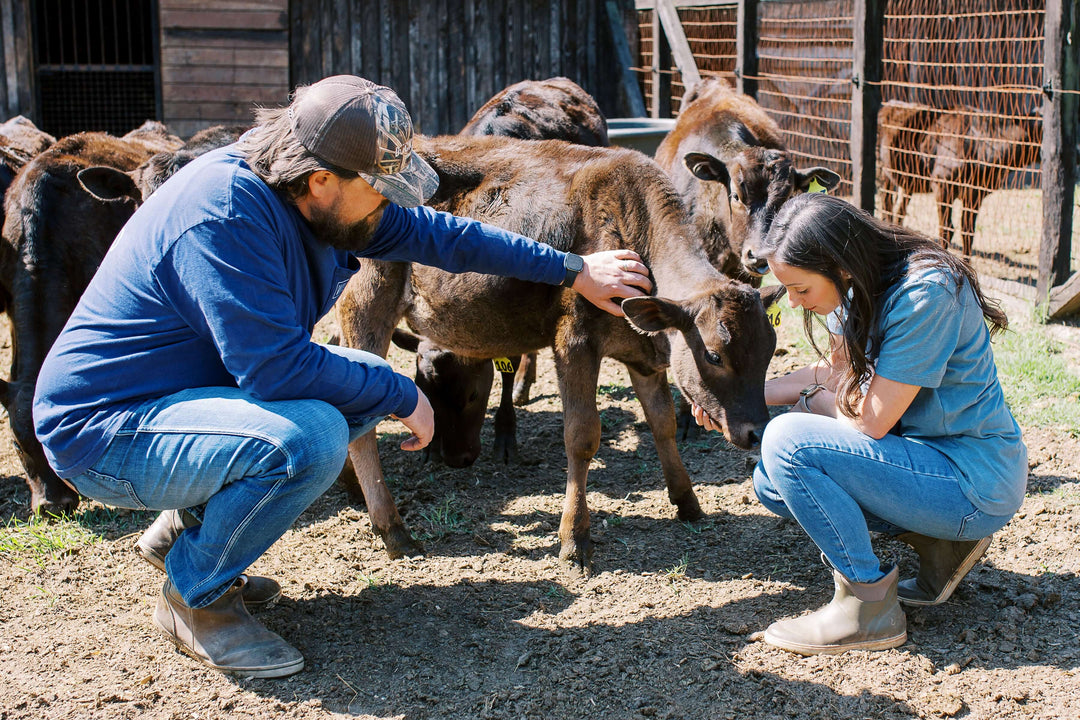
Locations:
(578, 370)
(368, 311)
(506, 422)
(655, 397)
(524, 378)
(385, 520)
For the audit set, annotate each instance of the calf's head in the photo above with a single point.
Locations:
(758, 181)
(721, 345)
(458, 389)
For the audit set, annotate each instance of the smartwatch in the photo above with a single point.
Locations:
(573, 264)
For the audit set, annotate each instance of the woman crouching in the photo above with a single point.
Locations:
(901, 428)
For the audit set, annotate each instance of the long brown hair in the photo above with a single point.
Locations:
(825, 235)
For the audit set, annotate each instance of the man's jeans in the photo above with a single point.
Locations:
(840, 484)
(253, 466)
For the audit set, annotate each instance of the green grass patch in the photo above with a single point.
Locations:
(1038, 383)
(443, 519)
(42, 541)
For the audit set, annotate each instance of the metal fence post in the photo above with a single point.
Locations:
(868, 32)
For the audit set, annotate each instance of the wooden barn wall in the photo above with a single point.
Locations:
(446, 58)
(16, 79)
(219, 60)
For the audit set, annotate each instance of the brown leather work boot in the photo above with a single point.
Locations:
(224, 636)
(861, 616)
(942, 565)
(259, 592)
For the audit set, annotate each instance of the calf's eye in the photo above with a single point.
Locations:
(713, 358)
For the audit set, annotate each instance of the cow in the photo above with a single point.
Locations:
(711, 329)
(727, 160)
(902, 167)
(20, 142)
(552, 109)
(459, 387)
(63, 211)
(973, 153)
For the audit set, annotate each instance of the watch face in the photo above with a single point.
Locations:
(574, 262)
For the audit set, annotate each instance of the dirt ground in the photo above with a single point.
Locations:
(489, 624)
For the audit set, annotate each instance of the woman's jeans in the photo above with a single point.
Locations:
(840, 484)
(253, 466)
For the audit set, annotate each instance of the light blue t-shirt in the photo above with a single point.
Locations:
(929, 335)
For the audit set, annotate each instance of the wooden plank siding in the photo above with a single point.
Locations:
(16, 80)
(219, 60)
(446, 58)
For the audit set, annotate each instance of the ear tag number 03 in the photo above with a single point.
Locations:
(503, 365)
(773, 313)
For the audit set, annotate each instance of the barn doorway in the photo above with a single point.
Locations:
(96, 64)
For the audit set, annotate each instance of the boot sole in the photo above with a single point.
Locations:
(275, 671)
(159, 562)
(961, 572)
(884, 644)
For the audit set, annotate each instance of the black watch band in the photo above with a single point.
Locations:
(573, 264)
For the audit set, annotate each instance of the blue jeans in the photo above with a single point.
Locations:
(840, 484)
(247, 467)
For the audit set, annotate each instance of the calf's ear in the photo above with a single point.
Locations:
(405, 340)
(771, 294)
(108, 184)
(825, 177)
(653, 314)
(706, 167)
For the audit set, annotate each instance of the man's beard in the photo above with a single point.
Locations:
(351, 237)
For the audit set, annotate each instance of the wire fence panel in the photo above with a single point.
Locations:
(960, 130)
(710, 32)
(805, 52)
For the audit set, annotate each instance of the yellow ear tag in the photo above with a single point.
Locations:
(816, 187)
(773, 313)
(503, 365)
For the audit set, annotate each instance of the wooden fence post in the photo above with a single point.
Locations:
(868, 30)
(680, 48)
(1060, 78)
(630, 93)
(746, 49)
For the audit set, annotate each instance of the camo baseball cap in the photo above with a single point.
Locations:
(356, 125)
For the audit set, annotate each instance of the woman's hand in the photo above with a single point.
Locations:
(703, 418)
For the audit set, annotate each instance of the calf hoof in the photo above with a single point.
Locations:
(689, 508)
(399, 543)
(521, 393)
(578, 551)
(506, 449)
(54, 507)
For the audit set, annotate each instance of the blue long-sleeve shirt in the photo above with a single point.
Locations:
(218, 281)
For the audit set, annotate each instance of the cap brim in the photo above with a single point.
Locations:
(408, 188)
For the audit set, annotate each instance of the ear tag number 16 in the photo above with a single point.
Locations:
(773, 313)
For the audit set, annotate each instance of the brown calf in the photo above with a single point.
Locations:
(459, 387)
(973, 154)
(727, 160)
(712, 330)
